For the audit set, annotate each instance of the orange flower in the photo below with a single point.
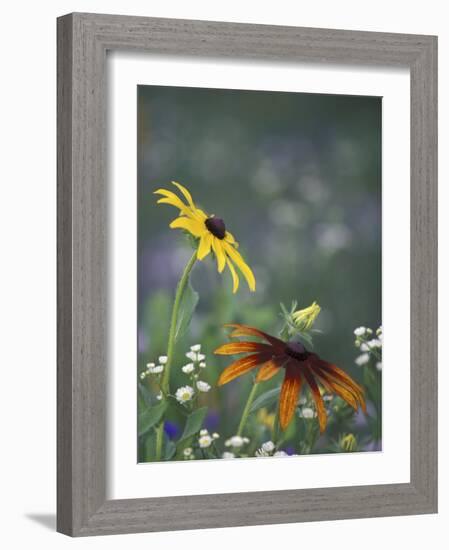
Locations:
(300, 366)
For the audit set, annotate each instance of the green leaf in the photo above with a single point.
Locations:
(306, 338)
(265, 399)
(150, 417)
(170, 449)
(194, 423)
(149, 446)
(144, 395)
(176, 406)
(188, 304)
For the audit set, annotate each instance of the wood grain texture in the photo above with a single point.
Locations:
(83, 40)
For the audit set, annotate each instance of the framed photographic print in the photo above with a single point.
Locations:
(247, 230)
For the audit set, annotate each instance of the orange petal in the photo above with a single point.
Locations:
(241, 366)
(333, 386)
(319, 404)
(268, 370)
(289, 396)
(341, 378)
(233, 348)
(245, 330)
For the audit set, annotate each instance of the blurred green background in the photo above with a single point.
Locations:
(297, 179)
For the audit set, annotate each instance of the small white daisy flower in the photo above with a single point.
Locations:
(200, 357)
(362, 359)
(184, 393)
(360, 331)
(369, 331)
(280, 453)
(268, 446)
(215, 435)
(245, 440)
(196, 348)
(234, 441)
(192, 355)
(187, 452)
(156, 370)
(143, 375)
(260, 453)
(375, 343)
(202, 365)
(364, 347)
(204, 432)
(227, 454)
(307, 412)
(187, 369)
(205, 441)
(163, 359)
(379, 366)
(150, 365)
(203, 386)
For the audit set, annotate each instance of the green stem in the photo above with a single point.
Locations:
(245, 413)
(165, 379)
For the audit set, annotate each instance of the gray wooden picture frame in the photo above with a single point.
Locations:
(83, 40)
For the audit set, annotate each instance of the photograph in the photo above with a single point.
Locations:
(259, 274)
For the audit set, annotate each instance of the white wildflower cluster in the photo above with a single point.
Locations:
(269, 449)
(228, 454)
(370, 346)
(307, 413)
(193, 370)
(236, 442)
(306, 406)
(153, 368)
(196, 358)
(188, 453)
(205, 439)
(194, 367)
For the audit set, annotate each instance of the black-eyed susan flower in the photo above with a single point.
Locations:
(300, 367)
(211, 233)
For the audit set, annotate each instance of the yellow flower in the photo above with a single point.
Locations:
(265, 418)
(211, 232)
(348, 443)
(304, 318)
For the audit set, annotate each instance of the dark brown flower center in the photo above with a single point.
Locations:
(296, 350)
(216, 226)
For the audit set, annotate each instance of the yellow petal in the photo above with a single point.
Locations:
(200, 215)
(229, 238)
(219, 253)
(240, 262)
(186, 194)
(235, 277)
(192, 226)
(205, 244)
(173, 200)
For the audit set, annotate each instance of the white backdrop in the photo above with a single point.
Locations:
(27, 301)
